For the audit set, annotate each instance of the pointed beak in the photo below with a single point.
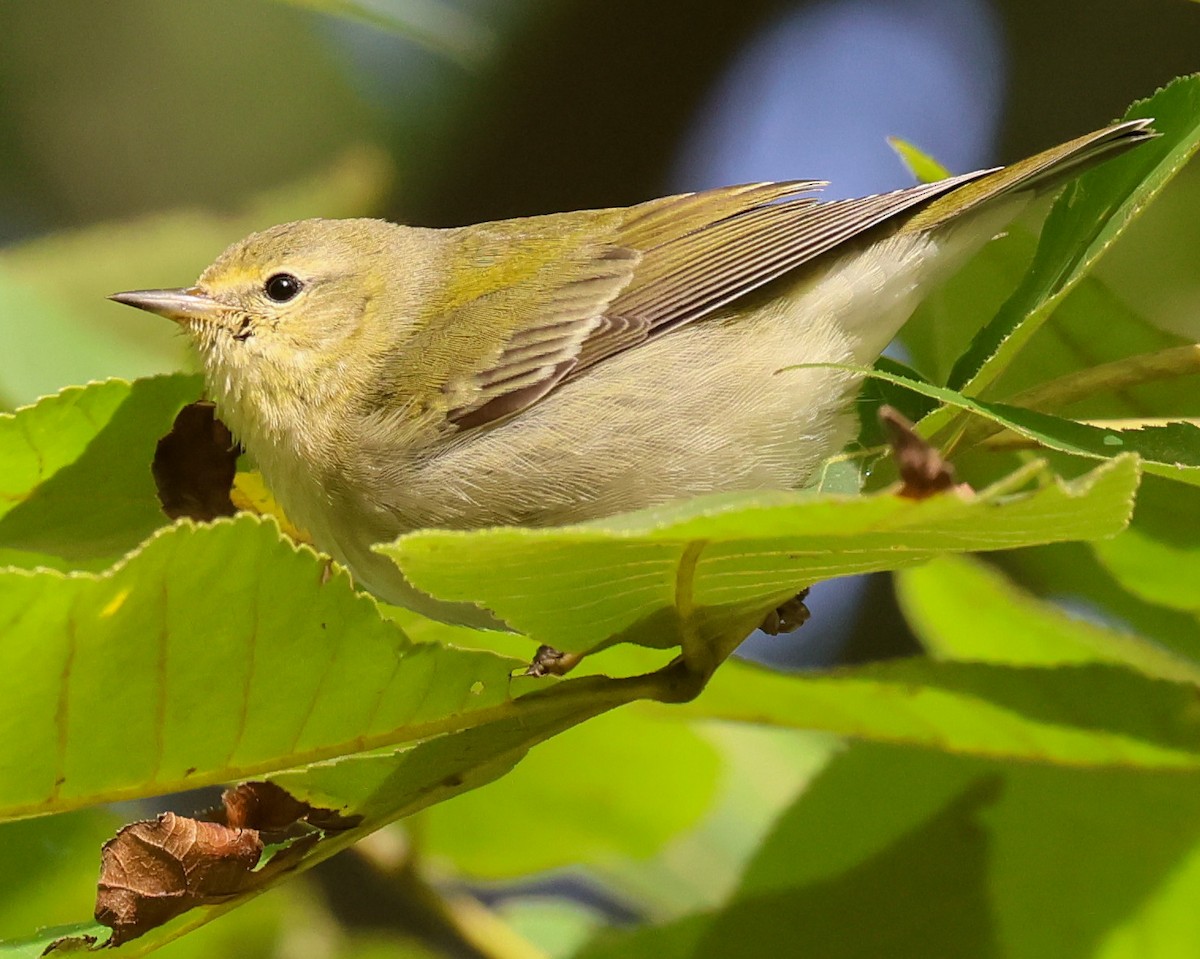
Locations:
(182, 306)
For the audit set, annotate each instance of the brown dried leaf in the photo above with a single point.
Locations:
(272, 809)
(155, 870)
(923, 472)
(194, 465)
(260, 805)
(70, 944)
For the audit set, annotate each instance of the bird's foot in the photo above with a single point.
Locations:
(548, 661)
(790, 616)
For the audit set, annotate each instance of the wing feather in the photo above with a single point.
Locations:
(563, 309)
(667, 263)
(698, 273)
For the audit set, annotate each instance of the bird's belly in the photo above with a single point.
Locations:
(707, 408)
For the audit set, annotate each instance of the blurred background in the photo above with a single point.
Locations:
(139, 137)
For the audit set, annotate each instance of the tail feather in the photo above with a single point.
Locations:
(1041, 172)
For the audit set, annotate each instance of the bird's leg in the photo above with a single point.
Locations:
(548, 661)
(790, 616)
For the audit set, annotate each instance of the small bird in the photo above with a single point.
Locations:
(559, 368)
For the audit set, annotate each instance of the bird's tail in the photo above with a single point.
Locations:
(1041, 172)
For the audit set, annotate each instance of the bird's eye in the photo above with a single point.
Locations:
(282, 287)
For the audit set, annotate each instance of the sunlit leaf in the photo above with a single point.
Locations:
(77, 488)
(1084, 715)
(922, 166)
(212, 654)
(579, 587)
(1158, 557)
(961, 608)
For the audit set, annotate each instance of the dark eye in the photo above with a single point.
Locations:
(282, 287)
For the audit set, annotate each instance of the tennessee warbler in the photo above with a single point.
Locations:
(559, 368)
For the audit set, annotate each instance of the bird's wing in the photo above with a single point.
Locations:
(526, 296)
(692, 274)
(558, 294)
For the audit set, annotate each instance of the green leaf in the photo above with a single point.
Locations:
(1172, 450)
(222, 652)
(1091, 213)
(1158, 557)
(1072, 572)
(690, 573)
(961, 608)
(34, 946)
(922, 166)
(385, 785)
(77, 488)
(38, 441)
(212, 654)
(942, 326)
(1086, 715)
(955, 858)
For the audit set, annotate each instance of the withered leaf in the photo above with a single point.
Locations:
(272, 809)
(923, 472)
(70, 944)
(194, 465)
(155, 870)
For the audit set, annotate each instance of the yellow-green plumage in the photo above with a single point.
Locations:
(559, 368)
